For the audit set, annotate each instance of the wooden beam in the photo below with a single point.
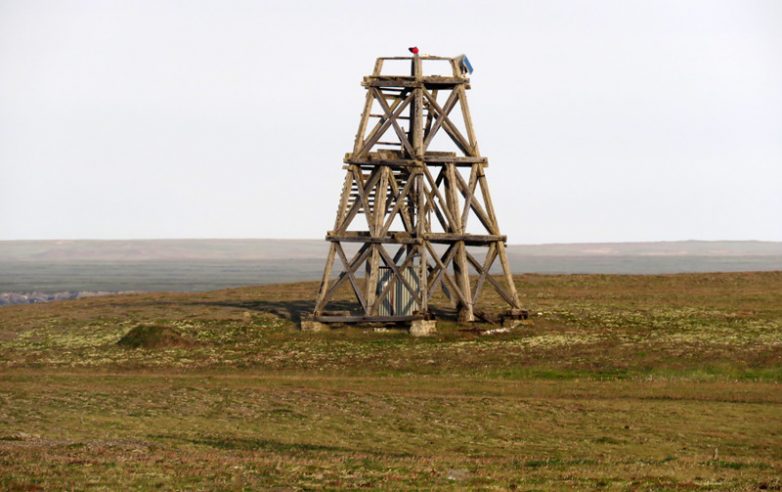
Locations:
(321, 300)
(470, 239)
(447, 124)
(373, 115)
(431, 81)
(362, 126)
(351, 277)
(444, 274)
(357, 260)
(382, 125)
(366, 319)
(378, 67)
(392, 117)
(508, 276)
(399, 203)
(443, 204)
(500, 290)
(372, 265)
(374, 260)
(491, 254)
(363, 189)
(422, 57)
(430, 116)
(393, 238)
(398, 271)
(487, 198)
(381, 194)
(488, 222)
(460, 269)
(422, 252)
(404, 237)
(387, 287)
(467, 116)
(411, 163)
(344, 197)
(439, 113)
(436, 271)
(469, 195)
(455, 159)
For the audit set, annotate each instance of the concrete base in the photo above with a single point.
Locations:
(423, 328)
(310, 325)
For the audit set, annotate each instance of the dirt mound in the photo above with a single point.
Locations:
(153, 336)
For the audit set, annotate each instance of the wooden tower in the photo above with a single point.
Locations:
(414, 191)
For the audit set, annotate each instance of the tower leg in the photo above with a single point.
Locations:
(420, 225)
(373, 267)
(463, 282)
(460, 268)
(324, 283)
(508, 275)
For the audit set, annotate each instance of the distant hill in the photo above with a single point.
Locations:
(41, 270)
(660, 248)
(277, 249)
(162, 249)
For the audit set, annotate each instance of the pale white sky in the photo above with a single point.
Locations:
(602, 120)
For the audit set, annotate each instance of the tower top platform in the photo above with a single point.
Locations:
(418, 71)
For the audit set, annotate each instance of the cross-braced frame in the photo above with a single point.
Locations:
(409, 211)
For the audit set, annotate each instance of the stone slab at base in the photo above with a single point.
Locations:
(310, 325)
(423, 327)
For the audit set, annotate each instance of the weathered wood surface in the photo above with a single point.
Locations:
(412, 197)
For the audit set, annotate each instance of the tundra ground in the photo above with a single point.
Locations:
(618, 382)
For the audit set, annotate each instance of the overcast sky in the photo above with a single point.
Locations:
(602, 120)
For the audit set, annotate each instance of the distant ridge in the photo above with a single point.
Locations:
(657, 248)
(279, 249)
(162, 249)
(70, 268)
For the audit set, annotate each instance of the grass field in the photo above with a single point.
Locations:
(670, 382)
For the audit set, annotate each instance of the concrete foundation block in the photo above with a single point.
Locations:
(423, 328)
(313, 326)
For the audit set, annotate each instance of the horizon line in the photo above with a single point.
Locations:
(322, 239)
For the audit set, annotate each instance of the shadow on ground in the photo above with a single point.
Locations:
(270, 445)
(294, 310)
(288, 310)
